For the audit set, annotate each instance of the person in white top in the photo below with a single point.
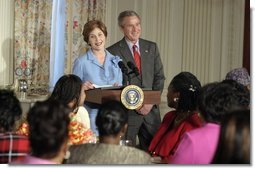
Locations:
(70, 90)
(83, 116)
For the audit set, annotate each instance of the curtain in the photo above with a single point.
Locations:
(32, 40)
(33, 29)
(57, 51)
(6, 41)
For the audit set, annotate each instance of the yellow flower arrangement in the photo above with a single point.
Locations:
(23, 129)
(78, 133)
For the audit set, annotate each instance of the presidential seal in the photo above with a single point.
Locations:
(132, 97)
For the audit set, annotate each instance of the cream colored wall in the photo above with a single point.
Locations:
(204, 37)
(6, 41)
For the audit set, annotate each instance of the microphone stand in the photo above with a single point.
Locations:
(129, 79)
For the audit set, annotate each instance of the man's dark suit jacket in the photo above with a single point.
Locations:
(152, 78)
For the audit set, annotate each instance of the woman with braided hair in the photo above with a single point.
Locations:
(182, 96)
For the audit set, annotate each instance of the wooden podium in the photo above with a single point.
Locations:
(100, 95)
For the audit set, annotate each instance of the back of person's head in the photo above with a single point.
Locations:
(10, 110)
(111, 118)
(48, 128)
(218, 99)
(188, 86)
(240, 87)
(67, 89)
(240, 75)
(124, 14)
(234, 142)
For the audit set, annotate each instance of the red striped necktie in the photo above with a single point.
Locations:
(137, 58)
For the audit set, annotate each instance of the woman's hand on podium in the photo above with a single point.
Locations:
(88, 85)
(115, 84)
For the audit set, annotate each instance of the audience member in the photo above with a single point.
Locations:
(182, 96)
(70, 91)
(216, 100)
(48, 133)
(112, 124)
(240, 75)
(144, 121)
(97, 67)
(13, 146)
(240, 87)
(235, 139)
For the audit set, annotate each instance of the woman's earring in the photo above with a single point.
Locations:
(176, 99)
(67, 155)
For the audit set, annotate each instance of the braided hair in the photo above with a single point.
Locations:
(67, 89)
(188, 86)
(111, 118)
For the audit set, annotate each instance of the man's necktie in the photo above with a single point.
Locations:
(137, 58)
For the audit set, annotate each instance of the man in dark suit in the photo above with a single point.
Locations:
(145, 55)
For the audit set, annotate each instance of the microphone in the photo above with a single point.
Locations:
(133, 68)
(123, 68)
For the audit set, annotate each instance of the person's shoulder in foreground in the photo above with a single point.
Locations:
(107, 154)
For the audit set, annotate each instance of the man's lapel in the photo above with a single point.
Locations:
(125, 52)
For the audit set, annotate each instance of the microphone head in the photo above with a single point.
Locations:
(122, 67)
(121, 64)
(132, 66)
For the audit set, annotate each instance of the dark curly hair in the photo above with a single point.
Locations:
(188, 86)
(111, 118)
(90, 26)
(67, 88)
(48, 127)
(218, 99)
(10, 110)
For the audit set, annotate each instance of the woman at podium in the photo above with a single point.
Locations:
(97, 67)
